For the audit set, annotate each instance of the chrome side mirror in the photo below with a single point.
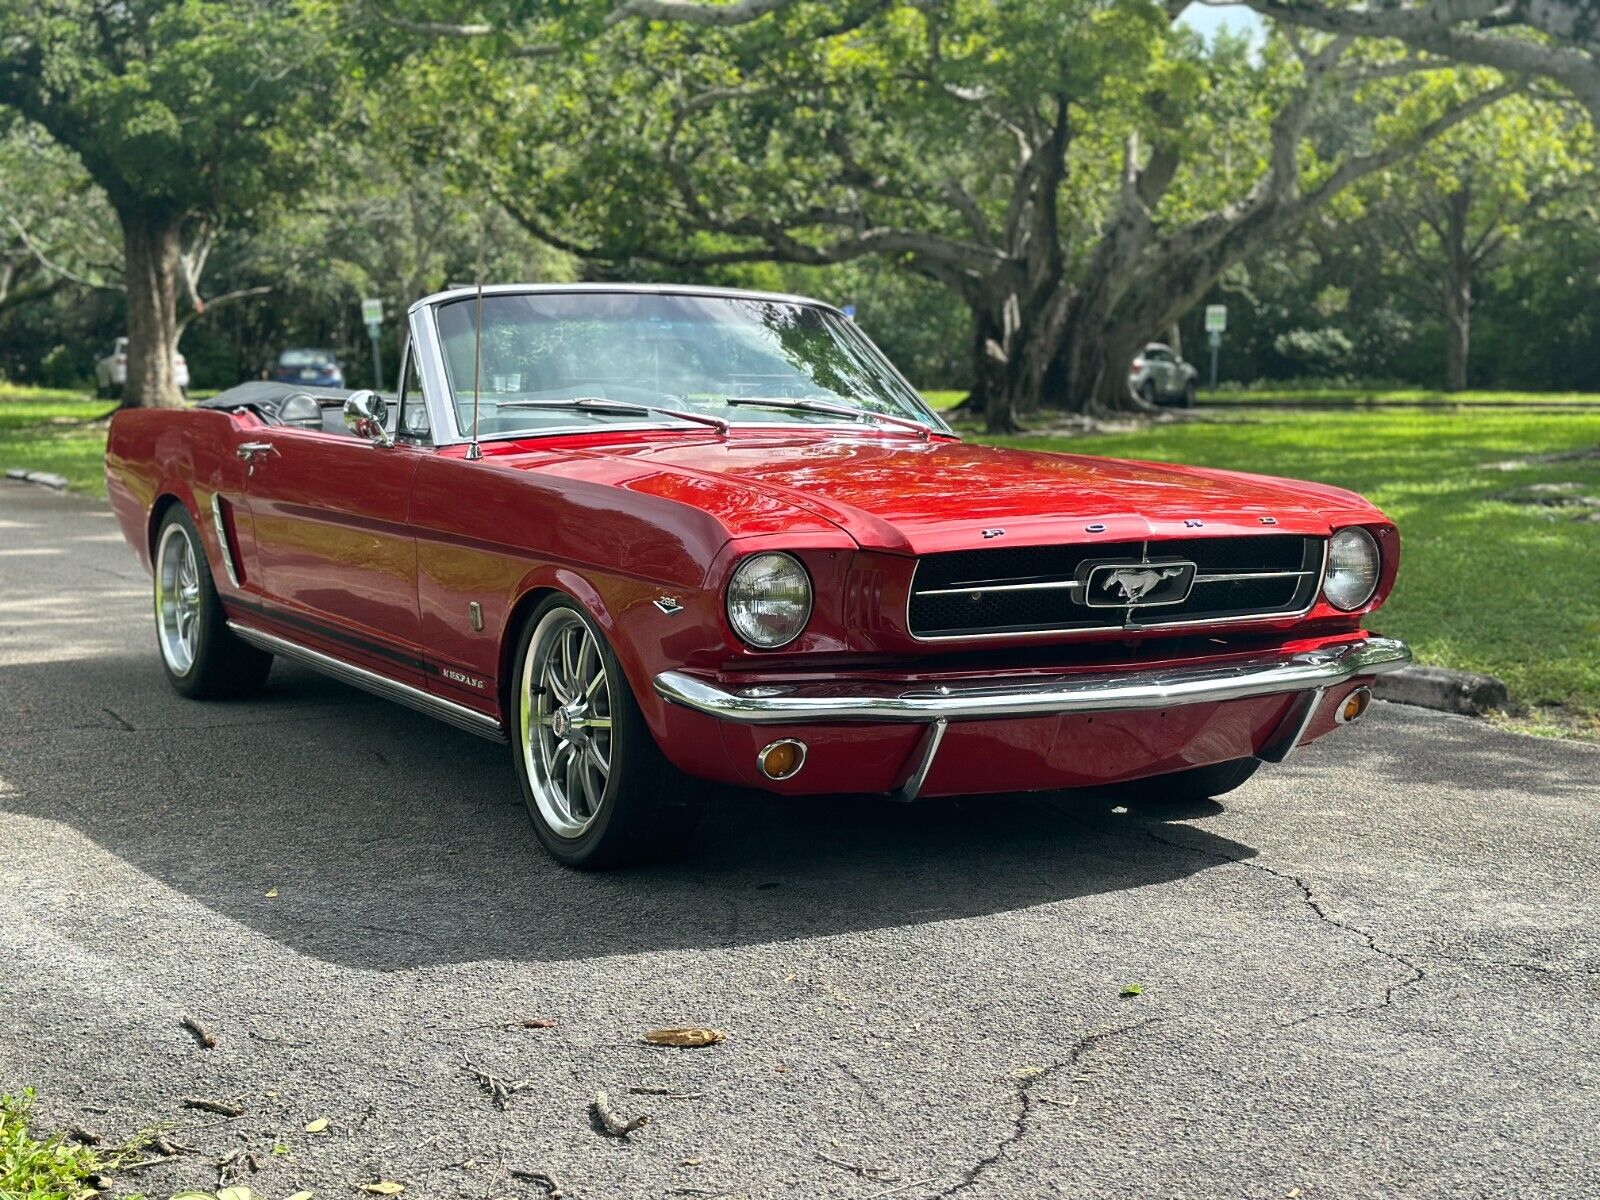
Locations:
(366, 414)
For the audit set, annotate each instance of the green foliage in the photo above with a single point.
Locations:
(39, 1169)
(191, 106)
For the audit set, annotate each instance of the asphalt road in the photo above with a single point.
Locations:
(1373, 971)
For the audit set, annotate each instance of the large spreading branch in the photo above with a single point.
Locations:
(1558, 39)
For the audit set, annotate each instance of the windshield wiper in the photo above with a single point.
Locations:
(828, 409)
(599, 404)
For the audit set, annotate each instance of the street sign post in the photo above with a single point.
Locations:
(372, 314)
(1216, 325)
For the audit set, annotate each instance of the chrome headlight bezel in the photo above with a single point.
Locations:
(741, 597)
(1353, 556)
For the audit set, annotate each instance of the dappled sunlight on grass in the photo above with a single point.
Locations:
(1485, 584)
(44, 430)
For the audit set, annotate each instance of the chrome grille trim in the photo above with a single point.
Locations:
(1049, 585)
(1129, 626)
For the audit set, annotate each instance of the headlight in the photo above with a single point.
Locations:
(769, 600)
(1353, 563)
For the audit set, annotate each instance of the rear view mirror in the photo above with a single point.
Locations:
(366, 414)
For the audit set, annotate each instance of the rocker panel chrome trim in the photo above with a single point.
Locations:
(458, 715)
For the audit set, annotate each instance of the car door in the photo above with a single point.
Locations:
(334, 553)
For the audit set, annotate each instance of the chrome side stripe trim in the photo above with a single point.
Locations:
(458, 715)
(222, 538)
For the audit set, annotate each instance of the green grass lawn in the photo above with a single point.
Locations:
(44, 430)
(1404, 397)
(1485, 585)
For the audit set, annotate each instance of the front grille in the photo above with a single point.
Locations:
(1034, 589)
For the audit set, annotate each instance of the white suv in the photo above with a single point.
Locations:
(111, 372)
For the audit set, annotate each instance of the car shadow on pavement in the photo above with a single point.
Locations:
(392, 841)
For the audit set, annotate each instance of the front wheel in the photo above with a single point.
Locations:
(1190, 394)
(200, 654)
(597, 787)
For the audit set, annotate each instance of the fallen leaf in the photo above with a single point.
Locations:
(539, 1023)
(687, 1162)
(235, 1193)
(1293, 1194)
(685, 1035)
(301, 1196)
(1027, 1072)
(1132, 989)
(781, 1069)
(194, 1196)
(317, 1126)
(384, 1187)
(272, 894)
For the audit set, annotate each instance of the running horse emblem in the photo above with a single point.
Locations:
(1135, 583)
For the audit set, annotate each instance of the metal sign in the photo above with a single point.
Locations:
(372, 312)
(1216, 318)
(849, 310)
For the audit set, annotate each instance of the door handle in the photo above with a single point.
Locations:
(249, 450)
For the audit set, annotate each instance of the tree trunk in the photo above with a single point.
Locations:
(1457, 292)
(152, 243)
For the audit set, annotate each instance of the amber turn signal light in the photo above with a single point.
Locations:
(783, 759)
(1354, 705)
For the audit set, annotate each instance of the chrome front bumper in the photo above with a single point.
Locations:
(784, 704)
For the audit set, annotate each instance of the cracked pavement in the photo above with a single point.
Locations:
(1372, 971)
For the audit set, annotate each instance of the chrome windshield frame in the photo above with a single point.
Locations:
(428, 346)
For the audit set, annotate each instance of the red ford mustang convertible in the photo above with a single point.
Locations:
(654, 535)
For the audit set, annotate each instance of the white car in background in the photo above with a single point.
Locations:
(1160, 376)
(111, 372)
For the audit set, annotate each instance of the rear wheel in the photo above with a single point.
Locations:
(1147, 391)
(201, 656)
(1197, 783)
(597, 787)
(1190, 394)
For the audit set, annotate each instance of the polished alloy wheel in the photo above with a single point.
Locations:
(565, 709)
(177, 598)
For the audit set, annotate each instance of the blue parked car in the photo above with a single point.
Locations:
(313, 368)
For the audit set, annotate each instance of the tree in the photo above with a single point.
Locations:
(56, 230)
(1467, 202)
(1558, 39)
(1078, 173)
(187, 114)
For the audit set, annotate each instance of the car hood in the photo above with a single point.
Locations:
(897, 494)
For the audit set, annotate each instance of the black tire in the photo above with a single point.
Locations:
(1147, 391)
(212, 664)
(646, 809)
(1190, 394)
(1184, 787)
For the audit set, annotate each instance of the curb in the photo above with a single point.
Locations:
(1440, 688)
(46, 478)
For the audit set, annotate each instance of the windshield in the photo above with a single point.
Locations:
(684, 352)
